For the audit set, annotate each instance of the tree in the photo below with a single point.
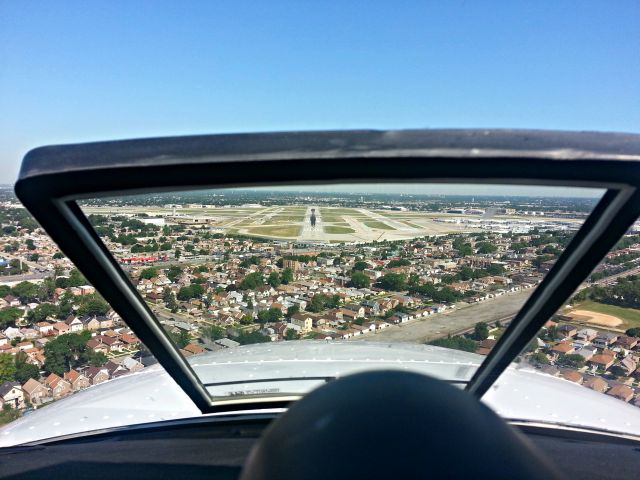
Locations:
(273, 279)
(92, 305)
(269, 316)
(7, 368)
(181, 339)
(4, 290)
(290, 334)
(246, 338)
(393, 281)
(67, 351)
(65, 307)
(214, 332)
(319, 302)
(58, 256)
(633, 332)
(25, 291)
(76, 278)
(192, 291)
(403, 262)
(42, 311)
(148, 273)
(46, 289)
(539, 358)
(177, 253)
(480, 331)
(287, 276)
(9, 316)
(173, 272)
(359, 280)
(251, 281)
(456, 343)
(95, 359)
(24, 370)
(486, 247)
(360, 266)
(572, 360)
(292, 310)
(169, 299)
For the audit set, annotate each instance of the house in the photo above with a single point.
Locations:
(586, 334)
(399, 317)
(45, 328)
(11, 394)
(97, 375)
(35, 392)
(12, 301)
(597, 384)
(605, 339)
(485, 346)
(97, 346)
(132, 365)
(305, 322)
(621, 392)
(114, 369)
(567, 331)
(572, 376)
(626, 342)
(625, 367)
(586, 352)
(602, 361)
(351, 312)
(77, 380)
(90, 323)
(226, 343)
(74, 323)
(129, 340)
(105, 321)
(60, 328)
(58, 386)
(114, 344)
(194, 349)
(562, 348)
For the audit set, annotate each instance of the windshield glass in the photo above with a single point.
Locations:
(327, 279)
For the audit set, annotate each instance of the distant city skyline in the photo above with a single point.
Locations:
(443, 189)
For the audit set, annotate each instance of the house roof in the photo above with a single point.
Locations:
(562, 348)
(596, 383)
(31, 385)
(602, 359)
(621, 391)
(572, 376)
(6, 387)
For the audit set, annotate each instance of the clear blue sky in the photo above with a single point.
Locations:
(83, 71)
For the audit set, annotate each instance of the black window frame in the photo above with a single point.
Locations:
(53, 179)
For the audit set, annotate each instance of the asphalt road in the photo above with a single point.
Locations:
(440, 325)
(24, 277)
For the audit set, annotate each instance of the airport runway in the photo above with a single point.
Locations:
(309, 233)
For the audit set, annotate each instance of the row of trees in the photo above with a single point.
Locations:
(256, 279)
(625, 293)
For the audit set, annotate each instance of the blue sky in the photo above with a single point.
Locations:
(83, 71)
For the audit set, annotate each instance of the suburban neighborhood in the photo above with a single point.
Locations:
(214, 290)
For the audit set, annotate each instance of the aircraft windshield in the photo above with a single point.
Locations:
(268, 293)
(308, 284)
